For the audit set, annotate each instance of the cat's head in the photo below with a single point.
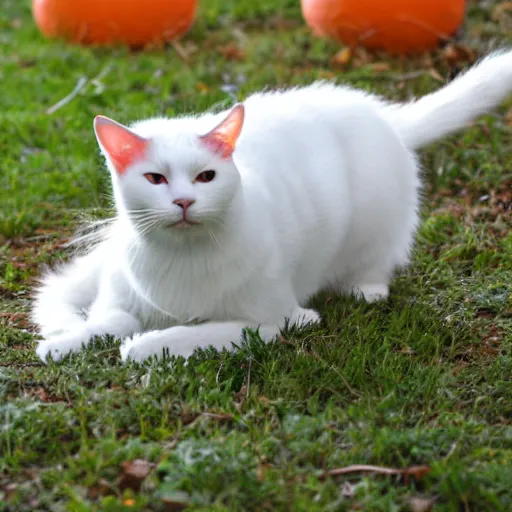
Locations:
(168, 177)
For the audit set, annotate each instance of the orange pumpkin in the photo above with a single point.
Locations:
(132, 22)
(397, 26)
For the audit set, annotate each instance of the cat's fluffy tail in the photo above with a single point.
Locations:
(475, 92)
(63, 295)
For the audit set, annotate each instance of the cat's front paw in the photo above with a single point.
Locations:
(135, 349)
(141, 346)
(303, 317)
(57, 347)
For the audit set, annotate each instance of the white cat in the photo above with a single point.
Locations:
(236, 219)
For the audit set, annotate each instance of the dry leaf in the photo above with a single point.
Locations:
(232, 51)
(450, 55)
(417, 472)
(380, 67)
(342, 58)
(362, 56)
(190, 419)
(508, 117)
(418, 504)
(262, 470)
(500, 10)
(134, 473)
(190, 48)
(218, 417)
(18, 320)
(40, 392)
(202, 87)
(103, 488)
(456, 54)
(10, 490)
(181, 51)
(435, 75)
(348, 490)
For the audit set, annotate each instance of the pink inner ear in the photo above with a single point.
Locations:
(222, 139)
(122, 146)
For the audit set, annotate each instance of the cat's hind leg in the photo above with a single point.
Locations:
(371, 280)
(371, 292)
(369, 274)
(371, 286)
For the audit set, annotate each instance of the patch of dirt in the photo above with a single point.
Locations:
(40, 393)
(489, 347)
(494, 207)
(21, 259)
(17, 320)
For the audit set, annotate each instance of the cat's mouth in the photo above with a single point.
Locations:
(184, 224)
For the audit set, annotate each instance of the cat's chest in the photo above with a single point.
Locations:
(183, 290)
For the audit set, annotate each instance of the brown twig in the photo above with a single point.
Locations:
(180, 50)
(82, 82)
(416, 471)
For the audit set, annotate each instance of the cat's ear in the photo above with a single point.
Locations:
(222, 139)
(122, 146)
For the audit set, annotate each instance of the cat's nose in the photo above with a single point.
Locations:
(184, 203)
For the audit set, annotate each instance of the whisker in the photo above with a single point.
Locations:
(146, 227)
(219, 222)
(92, 232)
(148, 210)
(214, 239)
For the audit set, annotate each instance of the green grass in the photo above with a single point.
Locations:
(423, 379)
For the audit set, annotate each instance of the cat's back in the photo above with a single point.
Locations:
(320, 126)
(304, 106)
(305, 142)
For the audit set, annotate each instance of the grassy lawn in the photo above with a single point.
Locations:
(422, 380)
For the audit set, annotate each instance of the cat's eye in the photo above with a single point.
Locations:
(205, 176)
(155, 178)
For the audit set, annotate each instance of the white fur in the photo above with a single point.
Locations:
(322, 191)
